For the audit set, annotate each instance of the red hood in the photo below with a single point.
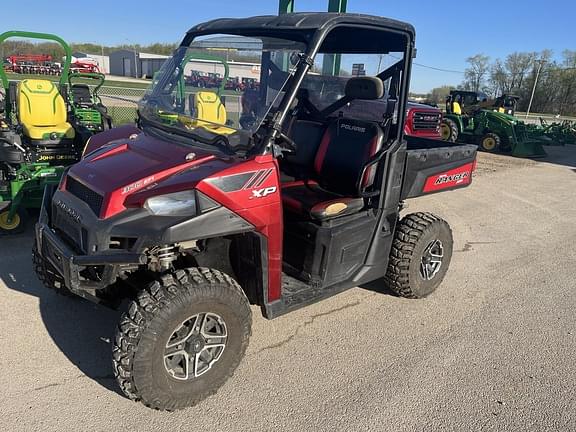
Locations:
(129, 165)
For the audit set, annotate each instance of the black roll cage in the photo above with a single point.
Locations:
(314, 38)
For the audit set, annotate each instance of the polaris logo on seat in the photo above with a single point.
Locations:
(352, 128)
(452, 178)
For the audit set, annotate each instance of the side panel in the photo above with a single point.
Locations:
(433, 166)
(252, 191)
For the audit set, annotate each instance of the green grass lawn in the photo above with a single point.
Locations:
(122, 115)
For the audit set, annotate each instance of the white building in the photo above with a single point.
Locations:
(136, 64)
(236, 69)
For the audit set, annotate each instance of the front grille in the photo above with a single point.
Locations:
(93, 199)
(426, 120)
(69, 230)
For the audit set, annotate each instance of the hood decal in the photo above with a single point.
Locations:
(137, 185)
(111, 151)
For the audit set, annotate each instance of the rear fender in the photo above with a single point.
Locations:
(456, 119)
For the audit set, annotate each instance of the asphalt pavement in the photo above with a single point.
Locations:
(493, 349)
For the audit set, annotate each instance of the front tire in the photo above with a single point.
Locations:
(449, 130)
(420, 255)
(490, 143)
(182, 338)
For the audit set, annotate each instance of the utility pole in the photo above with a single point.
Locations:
(540, 64)
(380, 57)
(135, 62)
(133, 44)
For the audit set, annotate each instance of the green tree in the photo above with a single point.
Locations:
(476, 72)
(438, 95)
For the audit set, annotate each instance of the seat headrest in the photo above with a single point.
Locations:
(366, 88)
(207, 97)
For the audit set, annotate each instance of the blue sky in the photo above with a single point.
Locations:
(447, 31)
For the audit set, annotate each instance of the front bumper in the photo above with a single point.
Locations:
(89, 253)
(70, 264)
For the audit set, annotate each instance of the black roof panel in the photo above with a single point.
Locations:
(305, 22)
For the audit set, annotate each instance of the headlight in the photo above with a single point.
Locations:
(175, 204)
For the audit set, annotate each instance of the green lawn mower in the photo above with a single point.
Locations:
(37, 141)
(472, 118)
(87, 112)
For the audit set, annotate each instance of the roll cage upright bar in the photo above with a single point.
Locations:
(403, 68)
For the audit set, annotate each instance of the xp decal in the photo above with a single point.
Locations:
(243, 181)
(261, 193)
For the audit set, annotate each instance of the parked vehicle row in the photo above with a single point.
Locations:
(214, 80)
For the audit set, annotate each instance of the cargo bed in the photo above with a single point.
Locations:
(435, 166)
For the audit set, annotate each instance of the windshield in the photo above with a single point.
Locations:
(220, 88)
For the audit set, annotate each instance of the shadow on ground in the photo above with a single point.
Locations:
(82, 331)
(560, 155)
(378, 286)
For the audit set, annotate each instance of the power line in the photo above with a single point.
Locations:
(430, 67)
(554, 69)
(438, 69)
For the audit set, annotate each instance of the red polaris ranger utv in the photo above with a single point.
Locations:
(280, 198)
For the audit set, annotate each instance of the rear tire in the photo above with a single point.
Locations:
(490, 143)
(449, 130)
(420, 255)
(171, 313)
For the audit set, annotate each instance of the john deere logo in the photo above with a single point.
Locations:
(39, 86)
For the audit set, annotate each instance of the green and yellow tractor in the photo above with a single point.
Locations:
(471, 117)
(41, 133)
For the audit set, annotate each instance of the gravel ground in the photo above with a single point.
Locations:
(493, 349)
